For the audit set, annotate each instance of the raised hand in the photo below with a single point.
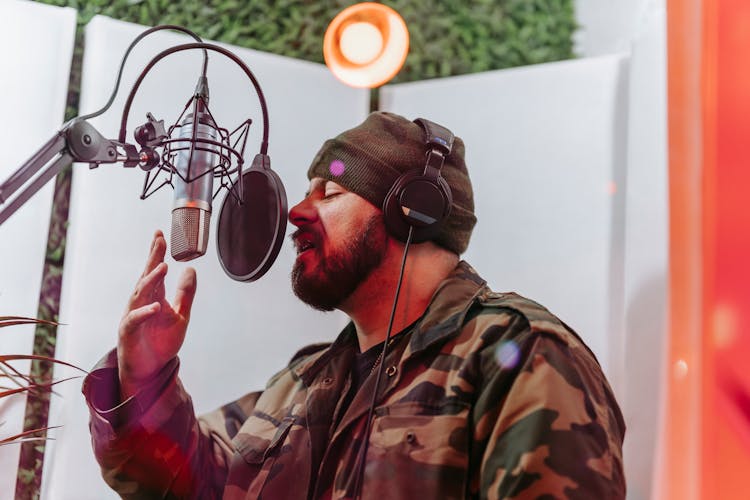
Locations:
(152, 330)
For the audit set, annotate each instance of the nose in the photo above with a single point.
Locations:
(302, 213)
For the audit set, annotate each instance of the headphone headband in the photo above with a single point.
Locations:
(421, 200)
(436, 136)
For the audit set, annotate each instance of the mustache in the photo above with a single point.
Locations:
(306, 234)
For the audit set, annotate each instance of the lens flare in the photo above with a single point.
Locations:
(507, 355)
(337, 167)
(680, 369)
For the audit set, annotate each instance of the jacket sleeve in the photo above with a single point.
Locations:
(548, 421)
(152, 445)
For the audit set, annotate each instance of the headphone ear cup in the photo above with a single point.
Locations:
(416, 201)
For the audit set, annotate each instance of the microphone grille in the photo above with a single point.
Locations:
(189, 236)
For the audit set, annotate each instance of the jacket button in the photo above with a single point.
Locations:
(391, 371)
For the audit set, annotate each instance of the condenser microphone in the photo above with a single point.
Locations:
(193, 186)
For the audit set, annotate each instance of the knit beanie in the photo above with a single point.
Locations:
(369, 158)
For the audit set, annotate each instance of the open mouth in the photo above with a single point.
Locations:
(303, 242)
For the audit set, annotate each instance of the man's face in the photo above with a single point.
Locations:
(340, 240)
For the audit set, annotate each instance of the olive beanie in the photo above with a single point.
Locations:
(369, 158)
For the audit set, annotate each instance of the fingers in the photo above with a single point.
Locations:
(137, 316)
(186, 292)
(150, 288)
(157, 252)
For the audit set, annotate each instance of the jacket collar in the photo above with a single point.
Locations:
(451, 301)
(443, 318)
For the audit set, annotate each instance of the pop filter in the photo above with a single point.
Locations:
(250, 233)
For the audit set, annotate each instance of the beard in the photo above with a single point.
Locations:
(337, 276)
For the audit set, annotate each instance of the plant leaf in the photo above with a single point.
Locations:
(21, 320)
(24, 434)
(33, 387)
(4, 358)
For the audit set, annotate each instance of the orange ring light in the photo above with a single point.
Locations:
(366, 44)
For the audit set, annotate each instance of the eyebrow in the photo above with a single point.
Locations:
(316, 184)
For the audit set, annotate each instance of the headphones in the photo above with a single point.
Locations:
(421, 199)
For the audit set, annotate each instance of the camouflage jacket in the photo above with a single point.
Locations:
(489, 396)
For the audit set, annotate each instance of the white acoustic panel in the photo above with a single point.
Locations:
(36, 49)
(545, 145)
(568, 163)
(240, 333)
(606, 27)
(646, 254)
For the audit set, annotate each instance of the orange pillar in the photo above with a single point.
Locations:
(679, 471)
(706, 432)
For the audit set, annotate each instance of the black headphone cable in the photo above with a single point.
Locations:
(363, 453)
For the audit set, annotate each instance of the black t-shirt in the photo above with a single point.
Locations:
(363, 366)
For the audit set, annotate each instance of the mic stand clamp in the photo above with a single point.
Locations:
(150, 135)
(86, 144)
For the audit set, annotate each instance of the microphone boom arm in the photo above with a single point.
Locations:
(78, 141)
(104, 151)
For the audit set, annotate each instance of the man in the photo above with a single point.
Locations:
(483, 395)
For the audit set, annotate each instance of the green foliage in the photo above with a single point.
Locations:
(448, 37)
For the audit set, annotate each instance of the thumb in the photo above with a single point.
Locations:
(186, 287)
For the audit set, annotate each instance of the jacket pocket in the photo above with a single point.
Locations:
(258, 446)
(263, 441)
(418, 451)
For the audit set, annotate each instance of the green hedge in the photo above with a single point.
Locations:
(448, 37)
